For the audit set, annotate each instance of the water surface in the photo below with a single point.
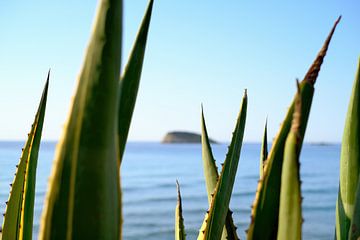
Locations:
(149, 172)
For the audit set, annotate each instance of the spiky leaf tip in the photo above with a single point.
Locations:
(214, 220)
(130, 81)
(211, 178)
(264, 151)
(179, 220)
(209, 164)
(18, 217)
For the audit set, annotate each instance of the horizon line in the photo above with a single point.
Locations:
(159, 141)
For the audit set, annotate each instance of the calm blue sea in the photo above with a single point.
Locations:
(149, 172)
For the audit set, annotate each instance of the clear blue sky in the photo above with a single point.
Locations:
(198, 52)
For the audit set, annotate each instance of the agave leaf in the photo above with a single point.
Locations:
(354, 232)
(290, 218)
(84, 198)
(349, 166)
(179, 220)
(264, 151)
(130, 80)
(210, 169)
(265, 211)
(214, 221)
(18, 220)
(211, 177)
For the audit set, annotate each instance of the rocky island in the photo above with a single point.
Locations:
(183, 137)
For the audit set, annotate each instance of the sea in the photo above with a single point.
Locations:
(148, 177)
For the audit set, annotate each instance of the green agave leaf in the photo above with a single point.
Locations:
(179, 220)
(84, 198)
(290, 218)
(264, 151)
(349, 169)
(130, 80)
(265, 209)
(210, 169)
(355, 221)
(211, 177)
(214, 221)
(18, 219)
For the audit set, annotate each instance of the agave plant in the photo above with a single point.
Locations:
(276, 213)
(214, 221)
(18, 217)
(86, 171)
(212, 176)
(265, 211)
(87, 162)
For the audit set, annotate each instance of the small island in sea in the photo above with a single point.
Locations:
(183, 137)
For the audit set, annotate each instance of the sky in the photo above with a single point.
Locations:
(198, 52)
